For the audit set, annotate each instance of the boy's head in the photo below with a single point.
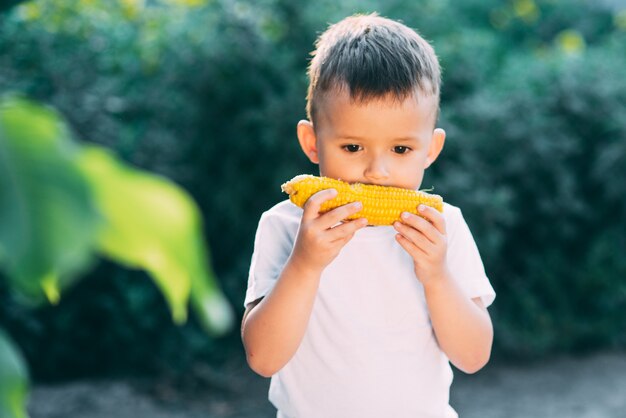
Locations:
(372, 103)
(371, 57)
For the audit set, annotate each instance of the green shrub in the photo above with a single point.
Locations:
(209, 96)
(543, 148)
(123, 83)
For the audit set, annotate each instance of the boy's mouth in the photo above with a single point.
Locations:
(365, 183)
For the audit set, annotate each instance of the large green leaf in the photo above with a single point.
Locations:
(60, 202)
(152, 224)
(13, 380)
(46, 214)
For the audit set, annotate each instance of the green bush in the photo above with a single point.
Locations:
(543, 149)
(63, 203)
(209, 95)
(122, 82)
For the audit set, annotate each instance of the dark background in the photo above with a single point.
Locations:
(208, 93)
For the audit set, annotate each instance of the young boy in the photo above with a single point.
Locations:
(355, 322)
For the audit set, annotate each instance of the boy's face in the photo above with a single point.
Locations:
(380, 142)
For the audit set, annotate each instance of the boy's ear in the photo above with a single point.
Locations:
(436, 145)
(308, 140)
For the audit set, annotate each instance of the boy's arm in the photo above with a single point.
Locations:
(273, 327)
(462, 326)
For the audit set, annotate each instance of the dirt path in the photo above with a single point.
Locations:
(588, 387)
(592, 387)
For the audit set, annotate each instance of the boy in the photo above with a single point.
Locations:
(355, 322)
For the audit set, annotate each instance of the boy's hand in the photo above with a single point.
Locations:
(426, 241)
(319, 241)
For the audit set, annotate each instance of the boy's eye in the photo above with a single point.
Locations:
(400, 149)
(352, 148)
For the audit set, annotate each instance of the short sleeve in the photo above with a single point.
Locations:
(464, 259)
(273, 243)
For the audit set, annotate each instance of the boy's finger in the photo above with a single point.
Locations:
(414, 251)
(424, 226)
(415, 236)
(333, 217)
(314, 203)
(346, 229)
(434, 216)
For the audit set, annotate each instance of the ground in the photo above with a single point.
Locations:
(587, 387)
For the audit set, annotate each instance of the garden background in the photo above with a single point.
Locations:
(207, 93)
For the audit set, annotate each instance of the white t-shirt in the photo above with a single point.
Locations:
(369, 349)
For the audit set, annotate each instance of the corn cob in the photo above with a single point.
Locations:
(382, 205)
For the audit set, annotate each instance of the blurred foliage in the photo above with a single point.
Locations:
(207, 93)
(47, 218)
(13, 380)
(544, 161)
(62, 202)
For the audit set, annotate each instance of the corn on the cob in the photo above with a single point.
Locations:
(382, 205)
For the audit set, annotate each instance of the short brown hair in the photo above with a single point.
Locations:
(372, 57)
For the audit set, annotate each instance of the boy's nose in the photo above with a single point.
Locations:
(376, 171)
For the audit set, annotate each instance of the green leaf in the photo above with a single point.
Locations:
(60, 202)
(13, 380)
(152, 224)
(46, 215)
(211, 308)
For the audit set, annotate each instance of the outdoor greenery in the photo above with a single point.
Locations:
(208, 92)
(63, 202)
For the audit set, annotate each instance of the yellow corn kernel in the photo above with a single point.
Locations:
(382, 205)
